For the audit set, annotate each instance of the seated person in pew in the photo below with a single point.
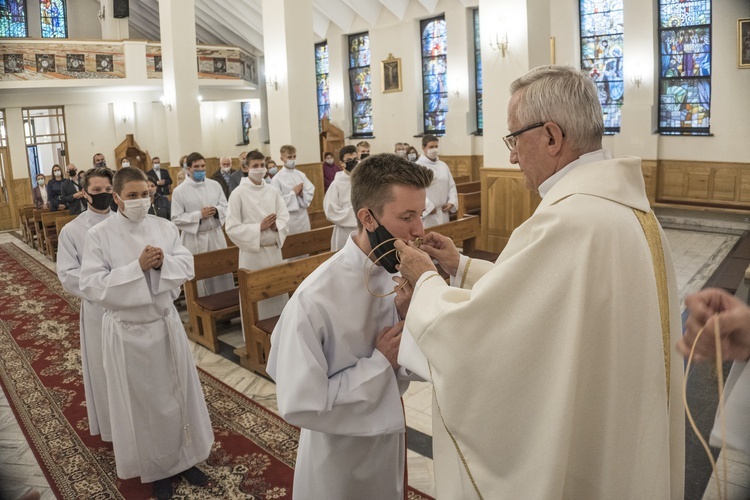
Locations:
(97, 189)
(257, 223)
(160, 204)
(133, 267)
(334, 350)
(337, 203)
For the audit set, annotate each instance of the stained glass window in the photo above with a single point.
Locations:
(360, 84)
(478, 72)
(601, 55)
(684, 67)
(321, 78)
(434, 74)
(13, 19)
(54, 18)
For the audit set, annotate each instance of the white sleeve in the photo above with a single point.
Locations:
(188, 222)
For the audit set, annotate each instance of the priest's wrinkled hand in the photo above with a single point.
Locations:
(414, 263)
(442, 249)
(706, 307)
(403, 295)
(150, 258)
(268, 222)
(388, 341)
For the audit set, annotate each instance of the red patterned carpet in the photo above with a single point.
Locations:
(40, 372)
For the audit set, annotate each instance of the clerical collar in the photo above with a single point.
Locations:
(598, 155)
(247, 182)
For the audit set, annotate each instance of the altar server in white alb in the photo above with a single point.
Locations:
(334, 350)
(552, 367)
(198, 209)
(257, 223)
(133, 266)
(442, 193)
(295, 188)
(337, 203)
(97, 189)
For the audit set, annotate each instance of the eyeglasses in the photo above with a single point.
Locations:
(510, 139)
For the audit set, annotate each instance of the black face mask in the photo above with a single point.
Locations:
(363, 156)
(72, 173)
(244, 174)
(101, 201)
(351, 164)
(380, 249)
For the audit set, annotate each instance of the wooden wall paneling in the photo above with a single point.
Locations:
(649, 169)
(744, 188)
(698, 181)
(704, 184)
(463, 165)
(726, 184)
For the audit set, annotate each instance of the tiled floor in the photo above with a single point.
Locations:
(696, 255)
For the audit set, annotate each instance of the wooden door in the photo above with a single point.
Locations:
(8, 219)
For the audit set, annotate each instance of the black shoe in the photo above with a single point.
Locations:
(195, 476)
(162, 489)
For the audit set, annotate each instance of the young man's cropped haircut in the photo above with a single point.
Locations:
(192, 158)
(255, 155)
(125, 175)
(374, 177)
(428, 139)
(288, 149)
(347, 150)
(96, 172)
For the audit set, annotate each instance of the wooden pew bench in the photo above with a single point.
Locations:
(464, 232)
(21, 224)
(205, 311)
(38, 229)
(469, 187)
(469, 204)
(29, 228)
(50, 232)
(263, 284)
(62, 221)
(307, 243)
(461, 179)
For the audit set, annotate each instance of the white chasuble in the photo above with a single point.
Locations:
(284, 181)
(337, 205)
(69, 256)
(248, 206)
(441, 191)
(201, 235)
(160, 424)
(548, 366)
(334, 384)
(737, 409)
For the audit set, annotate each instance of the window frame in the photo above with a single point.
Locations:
(423, 59)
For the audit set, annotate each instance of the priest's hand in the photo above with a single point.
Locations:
(388, 342)
(403, 296)
(442, 249)
(706, 307)
(268, 222)
(414, 262)
(150, 257)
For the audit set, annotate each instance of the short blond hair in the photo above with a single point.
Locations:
(363, 144)
(288, 149)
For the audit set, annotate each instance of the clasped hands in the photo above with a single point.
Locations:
(208, 212)
(151, 258)
(269, 223)
(414, 262)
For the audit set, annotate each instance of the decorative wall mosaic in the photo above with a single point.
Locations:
(212, 62)
(42, 61)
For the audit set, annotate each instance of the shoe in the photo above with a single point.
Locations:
(195, 476)
(162, 489)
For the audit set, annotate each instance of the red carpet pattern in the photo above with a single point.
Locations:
(40, 372)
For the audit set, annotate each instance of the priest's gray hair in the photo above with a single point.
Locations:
(125, 175)
(565, 96)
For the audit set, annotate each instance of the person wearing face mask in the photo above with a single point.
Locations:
(257, 221)
(71, 193)
(363, 150)
(160, 176)
(335, 367)
(198, 209)
(296, 189)
(223, 175)
(160, 205)
(133, 266)
(400, 149)
(39, 192)
(97, 190)
(238, 175)
(411, 154)
(337, 203)
(98, 161)
(271, 168)
(54, 189)
(442, 193)
(330, 169)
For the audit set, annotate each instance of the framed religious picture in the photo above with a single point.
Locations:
(743, 43)
(391, 74)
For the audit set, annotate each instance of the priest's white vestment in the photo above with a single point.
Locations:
(441, 191)
(201, 235)
(248, 206)
(160, 424)
(337, 205)
(332, 382)
(549, 366)
(284, 181)
(69, 255)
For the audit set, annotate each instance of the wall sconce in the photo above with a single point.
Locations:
(637, 77)
(501, 36)
(272, 82)
(164, 102)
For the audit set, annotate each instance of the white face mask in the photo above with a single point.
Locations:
(57, 173)
(257, 174)
(225, 170)
(329, 161)
(125, 164)
(412, 156)
(136, 210)
(273, 170)
(290, 163)
(157, 166)
(432, 154)
(401, 152)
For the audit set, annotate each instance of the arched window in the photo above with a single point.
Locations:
(360, 84)
(321, 79)
(602, 55)
(13, 19)
(54, 17)
(478, 84)
(434, 74)
(684, 67)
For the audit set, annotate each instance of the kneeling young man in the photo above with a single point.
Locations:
(133, 266)
(334, 350)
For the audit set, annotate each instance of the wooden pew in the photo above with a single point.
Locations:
(469, 203)
(307, 243)
(50, 232)
(21, 222)
(465, 234)
(469, 187)
(263, 284)
(205, 311)
(460, 179)
(318, 220)
(61, 222)
(37, 214)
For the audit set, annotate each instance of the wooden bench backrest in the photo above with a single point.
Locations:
(309, 242)
(469, 187)
(216, 263)
(464, 231)
(318, 220)
(469, 201)
(60, 222)
(28, 214)
(461, 179)
(48, 219)
(37, 213)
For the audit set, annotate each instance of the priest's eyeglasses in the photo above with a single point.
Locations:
(510, 139)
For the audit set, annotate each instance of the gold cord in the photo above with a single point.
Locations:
(367, 272)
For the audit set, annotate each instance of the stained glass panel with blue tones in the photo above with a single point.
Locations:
(54, 17)
(359, 50)
(321, 79)
(434, 74)
(13, 19)
(478, 72)
(602, 55)
(685, 67)
(360, 84)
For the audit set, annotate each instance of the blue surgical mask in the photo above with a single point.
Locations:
(273, 170)
(199, 175)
